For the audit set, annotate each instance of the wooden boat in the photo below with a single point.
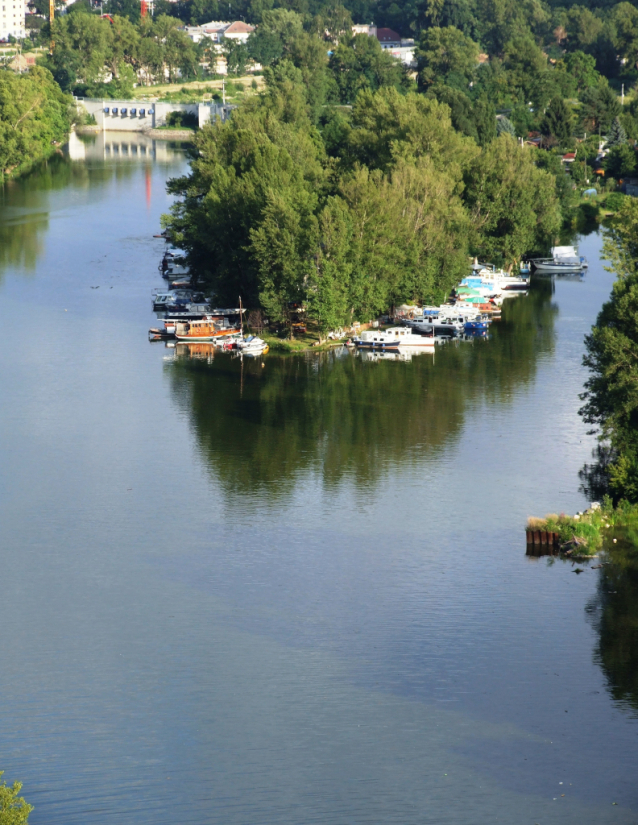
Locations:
(204, 330)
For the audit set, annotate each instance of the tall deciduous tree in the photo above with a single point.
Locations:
(512, 203)
(611, 391)
(446, 55)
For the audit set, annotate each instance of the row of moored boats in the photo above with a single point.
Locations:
(188, 316)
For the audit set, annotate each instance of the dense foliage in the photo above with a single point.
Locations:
(356, 211)
(13, 808)
(34, 114)
(611, 392)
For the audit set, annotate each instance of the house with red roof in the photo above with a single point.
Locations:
(388, 38)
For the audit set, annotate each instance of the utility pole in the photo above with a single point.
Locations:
(622, 94)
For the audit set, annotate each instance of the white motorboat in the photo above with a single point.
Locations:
(436, 325)
(252, 345)
(393, 339)
(564, 259)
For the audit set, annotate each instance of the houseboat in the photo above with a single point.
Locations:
(205, 330)
(392, 339)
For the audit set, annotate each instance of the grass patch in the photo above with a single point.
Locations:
(586, 534)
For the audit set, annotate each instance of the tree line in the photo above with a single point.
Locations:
(611, 392)
(350, 211)
(34, 116)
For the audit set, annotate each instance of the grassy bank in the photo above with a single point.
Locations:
(300, 343)
(587, 533)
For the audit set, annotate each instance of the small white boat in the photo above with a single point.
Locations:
(252, 345)
(564, 259)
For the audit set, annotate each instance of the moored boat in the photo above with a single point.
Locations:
(564, 259)
(204, 330)
(393, 339)
(252, 345)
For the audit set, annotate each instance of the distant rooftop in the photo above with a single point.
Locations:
(388, 36)
(239, 28)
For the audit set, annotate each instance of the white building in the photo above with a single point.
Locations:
(12, 14)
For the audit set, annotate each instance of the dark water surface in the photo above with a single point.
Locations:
(292, 593)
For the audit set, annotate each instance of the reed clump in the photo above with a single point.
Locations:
(583, 533)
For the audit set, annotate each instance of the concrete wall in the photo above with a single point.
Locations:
(155, 114)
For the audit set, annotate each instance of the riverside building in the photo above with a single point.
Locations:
(12, 14)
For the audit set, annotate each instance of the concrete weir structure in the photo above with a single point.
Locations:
(141, 116)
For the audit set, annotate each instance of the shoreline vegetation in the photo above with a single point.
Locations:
(611, 406)
(35, 119)
(14, 809)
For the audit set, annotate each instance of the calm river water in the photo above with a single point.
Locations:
(292, 593)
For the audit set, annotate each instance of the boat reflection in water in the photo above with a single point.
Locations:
(393, 355)
(199, 351)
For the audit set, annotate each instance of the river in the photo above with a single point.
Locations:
(297, 592)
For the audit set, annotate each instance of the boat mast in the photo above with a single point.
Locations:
(241, 318)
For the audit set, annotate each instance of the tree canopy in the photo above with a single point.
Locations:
(369, 209)
(611, 391)
(34, 114)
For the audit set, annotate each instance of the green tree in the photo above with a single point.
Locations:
(129, 9)
(620, 161)
(446, 56)
(329, 294)
(502, 21)
(14, 810)
(359, 63)
(611, 391)
(583, 28)
(526, 67)
(264, 47)
(557, 122)
(504, 126)
(617, 135)
(582, 67)
(513, 204)
(461, 109)
(484, 121)
(237, 56)
(600, 107)
(387, 126)
(34, 113)
(625, 22)
(84, 39)
(282, 245)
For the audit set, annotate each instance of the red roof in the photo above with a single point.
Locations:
(239, 28)
(388, 36)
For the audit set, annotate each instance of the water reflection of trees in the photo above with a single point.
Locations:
(614, 612)
(260, 428)
(24, 207)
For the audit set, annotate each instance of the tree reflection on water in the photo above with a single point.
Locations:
(259, 428)
(614, 613)
(24, 205)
